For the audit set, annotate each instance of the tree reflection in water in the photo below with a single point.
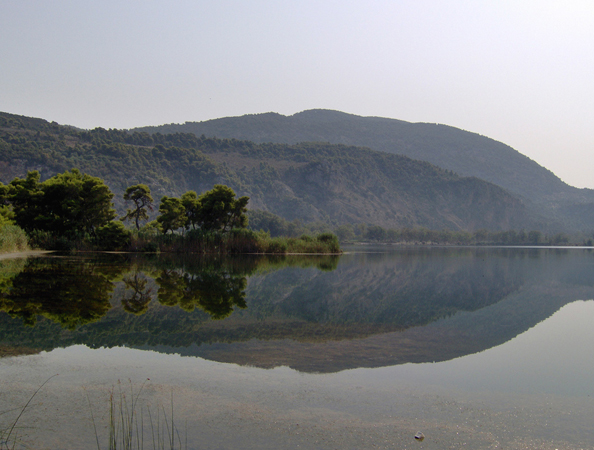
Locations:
(138, 295)
(216, 293)
(73, 291)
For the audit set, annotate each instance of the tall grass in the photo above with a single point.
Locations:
(13, 239)
(234, 242)
(127, 420)
(237, 241)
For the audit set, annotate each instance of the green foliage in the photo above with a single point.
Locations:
(330, 240)
(12, 239)
(191, 205)
(323, 243)
(462, 152)
(113, 236)
(74, 202)
(140, 195)
(26, 197)
(67, 204)
(221, 211)
(277, 245)
(302, 183)
(374, 233)
(345, 233)
(172, 214)
(273, 224)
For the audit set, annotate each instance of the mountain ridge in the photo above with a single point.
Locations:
(309, 182)
(463, 152)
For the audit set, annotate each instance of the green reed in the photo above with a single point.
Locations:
(13, 239)
(126, 423)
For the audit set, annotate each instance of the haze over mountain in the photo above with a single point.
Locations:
(466, 153)
(335, 184)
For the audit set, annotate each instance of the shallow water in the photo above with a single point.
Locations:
(514, 372)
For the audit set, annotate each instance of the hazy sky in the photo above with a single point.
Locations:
(519, 71)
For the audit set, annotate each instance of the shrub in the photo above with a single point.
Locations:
(330, 240)
(13, 239)
(113, 236)
(277, 245)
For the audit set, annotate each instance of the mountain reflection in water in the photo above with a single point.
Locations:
(383, 306)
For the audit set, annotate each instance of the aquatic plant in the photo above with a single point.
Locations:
(127, 420)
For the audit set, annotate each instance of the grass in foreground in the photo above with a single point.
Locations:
(127, 420)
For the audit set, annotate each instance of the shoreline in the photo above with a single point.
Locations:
(12, 255)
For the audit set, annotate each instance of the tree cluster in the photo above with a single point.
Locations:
(215, 210)
(75, 205)
(67, 204)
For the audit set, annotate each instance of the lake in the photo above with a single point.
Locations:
(478, 348)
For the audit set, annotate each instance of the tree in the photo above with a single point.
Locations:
(112, 236)
(345, 233)
(66, 204)
(221, 211)
(192, 208)
(172, 214)
(26, 197)
(140, 195)
(6, 212)
(75, 202)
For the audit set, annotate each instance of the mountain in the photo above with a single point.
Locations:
(466, 153)
(323, 182)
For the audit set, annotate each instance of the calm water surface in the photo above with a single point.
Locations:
(476, 348)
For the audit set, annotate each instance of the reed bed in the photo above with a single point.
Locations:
(13, 239)
(234, 242)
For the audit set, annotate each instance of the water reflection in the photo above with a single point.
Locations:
(372, 308)
(138, 293)
(70, 293)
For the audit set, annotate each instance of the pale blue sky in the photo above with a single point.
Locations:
(521, 71)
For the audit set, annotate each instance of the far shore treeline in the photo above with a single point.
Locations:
(75, 211)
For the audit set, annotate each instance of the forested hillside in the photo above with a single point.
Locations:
(467, 154)
(311, 182)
